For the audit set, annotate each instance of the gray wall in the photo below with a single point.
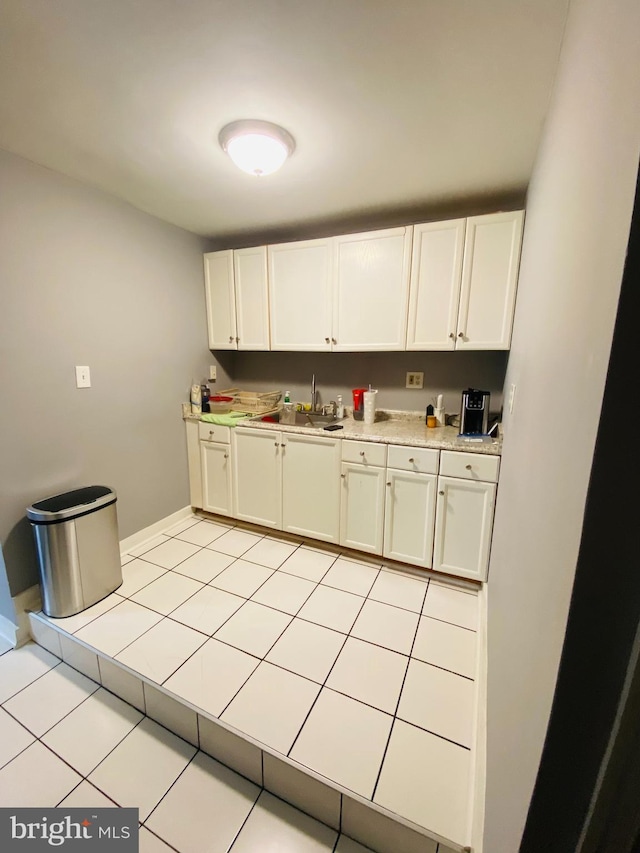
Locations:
(337, 373)
(86, 279)
(578, 214)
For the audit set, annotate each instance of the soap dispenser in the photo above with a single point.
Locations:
(339, 407)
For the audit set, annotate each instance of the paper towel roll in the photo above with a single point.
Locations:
(369, 405)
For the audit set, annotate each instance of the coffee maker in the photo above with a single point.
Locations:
(474, 412)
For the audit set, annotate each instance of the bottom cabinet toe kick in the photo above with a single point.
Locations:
(424, 507)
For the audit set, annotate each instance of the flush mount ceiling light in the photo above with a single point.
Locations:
(256, 147)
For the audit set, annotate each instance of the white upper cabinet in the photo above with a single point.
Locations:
(436, 274)
(252, 298)
(300, 295)
(371, 289)
(489, 280)
(220, 297)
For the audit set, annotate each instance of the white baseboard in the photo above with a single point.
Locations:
(29, 599)
(142, 536)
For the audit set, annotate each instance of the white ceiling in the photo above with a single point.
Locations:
(394, 104)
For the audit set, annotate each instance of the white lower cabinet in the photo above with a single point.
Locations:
(257, 478)
(409, 517)
(464, 520)
(216, 478)
(362, 501)
(311, 486)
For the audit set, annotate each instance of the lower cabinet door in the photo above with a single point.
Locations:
(464, 520)
(362, 507)
(409, 517)
(311, 486)
(257, 474)
(216, 477)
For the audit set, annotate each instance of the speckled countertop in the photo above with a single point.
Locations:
(407, 428)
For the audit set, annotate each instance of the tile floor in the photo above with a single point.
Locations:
(361, 673)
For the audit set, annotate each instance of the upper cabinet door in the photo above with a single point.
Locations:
(436, 273)
(489, 280)
(252, 298)
(371, 289)
(219, 294)
(300, 295)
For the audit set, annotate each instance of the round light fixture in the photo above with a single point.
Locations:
(256, 147)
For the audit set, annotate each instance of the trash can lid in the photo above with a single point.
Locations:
(71, 504)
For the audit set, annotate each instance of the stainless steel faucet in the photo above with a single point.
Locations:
(313, 393)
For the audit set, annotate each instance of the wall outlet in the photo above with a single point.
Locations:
(415, 379)
(212, 372)
(83, 377)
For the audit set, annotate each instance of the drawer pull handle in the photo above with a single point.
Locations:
(441, 493)
(210, 432)
(388, 484)
(226, 455)
(411, 459)
(468, 467)
(362, 453)
(343, 476)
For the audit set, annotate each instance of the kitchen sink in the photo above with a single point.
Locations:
(308, 419)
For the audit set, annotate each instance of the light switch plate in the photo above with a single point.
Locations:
(415, 379)
(83, 377)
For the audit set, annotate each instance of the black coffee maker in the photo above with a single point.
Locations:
(474, 412)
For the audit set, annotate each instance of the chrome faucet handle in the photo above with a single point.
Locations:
(330, 408)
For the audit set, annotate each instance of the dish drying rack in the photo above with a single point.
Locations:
(253, 402)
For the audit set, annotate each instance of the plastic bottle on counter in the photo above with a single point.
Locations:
(206, 395)
(196, 398)
(339, 406)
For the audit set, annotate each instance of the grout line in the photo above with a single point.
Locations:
(435, 734)
(55, 666)
(235, 838)
(179, 776)
(155, 835)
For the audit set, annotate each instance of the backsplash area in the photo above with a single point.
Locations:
(446, 373)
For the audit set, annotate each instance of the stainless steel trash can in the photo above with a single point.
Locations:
(78, 548)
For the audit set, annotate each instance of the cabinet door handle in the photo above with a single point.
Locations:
(327, 340)
(468, 467)
(226, 455)
(230, 339)
(441, 493)
(343, 476)
(451, 335)
(388, 484)
(461, 334)
(275, 444)
(334, 341)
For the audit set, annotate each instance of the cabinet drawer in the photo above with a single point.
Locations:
(469, 466)
(420, 459)
(364, 452)
(213, 432)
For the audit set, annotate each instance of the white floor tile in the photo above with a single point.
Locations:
(302, 790)
(142, 767)
(348, 845)
(79, 657)
(71, 624)
(158, 653)
(117, 680)
(208, 609)
(254, 628)
(446, 645)
(272, 706)
(20, 667)
(307, 649)
(148, 545)
(36, 779)
(332, 608)
(86, 796)
(235, 542)
(351, 576)
(399, 590)
(451, 605)
(126, 558)
(386, 626)
(370, 674)
(204, 565)
(426, 779)
(118, 627)
(13, 738)
(167, 593)
(438, 701)
(171, 714)
(284, 592)
(202, 533)
(205, 809)
(150, 843)
(46, 701)
(171, 553)
(279, 826)
(344, 740)
(136, 575)
(242, 578)
(44, 635)
(92, 730)
(270, 552)
(212, 677)
(310, 564)
(380, 832)
(237, 753)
